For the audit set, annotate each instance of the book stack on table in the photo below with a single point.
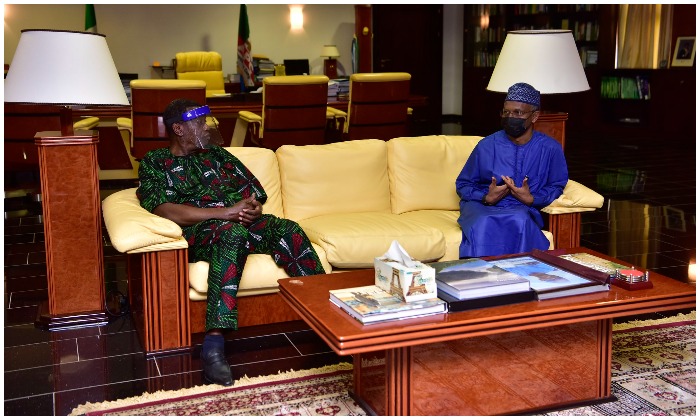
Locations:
(478, 283)
(370, 304)
(474, 283)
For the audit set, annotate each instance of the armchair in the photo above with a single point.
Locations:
(201, 65)
(378, 107)
(149, 97)
(295, 111)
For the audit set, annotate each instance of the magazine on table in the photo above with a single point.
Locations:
(550, 281)
(475, 278)
(370, 304)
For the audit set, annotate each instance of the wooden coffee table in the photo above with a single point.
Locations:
(502, 360)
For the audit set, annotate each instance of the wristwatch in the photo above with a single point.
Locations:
(483, 200)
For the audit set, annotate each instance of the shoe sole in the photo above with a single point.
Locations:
(208, 381)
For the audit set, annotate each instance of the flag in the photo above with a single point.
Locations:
(90, 19)
(245, 61)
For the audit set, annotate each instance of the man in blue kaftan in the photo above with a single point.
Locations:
(507, 179)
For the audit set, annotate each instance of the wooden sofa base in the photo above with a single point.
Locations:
(565, 228)
(163, 314)
(252, 311)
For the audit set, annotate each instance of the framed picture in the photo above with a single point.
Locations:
(674, 219)
(684, 55)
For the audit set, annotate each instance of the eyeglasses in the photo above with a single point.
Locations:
(515, 113)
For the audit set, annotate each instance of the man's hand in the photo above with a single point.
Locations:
(244, 212)
(251, 211)
(496, 192)
(522, 194)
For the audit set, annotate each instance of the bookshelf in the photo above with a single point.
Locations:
(625, 96)
(486, 27)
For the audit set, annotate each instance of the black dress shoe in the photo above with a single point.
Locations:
(216, 368)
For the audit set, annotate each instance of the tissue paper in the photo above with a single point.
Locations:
(398, 273)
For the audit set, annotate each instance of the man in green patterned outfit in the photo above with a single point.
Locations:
(218, 202)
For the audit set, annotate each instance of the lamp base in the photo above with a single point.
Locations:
(330, 68)
(46, 321)
(72, 229)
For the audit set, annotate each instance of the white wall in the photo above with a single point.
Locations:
(137, 35)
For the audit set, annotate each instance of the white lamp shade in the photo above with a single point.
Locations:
(546, 59)
(330, 51)
(63, 68)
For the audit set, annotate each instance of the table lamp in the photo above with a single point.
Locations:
(546, 59)
(68, 68)
(330, 64)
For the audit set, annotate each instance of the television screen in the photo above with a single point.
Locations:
(296, 67)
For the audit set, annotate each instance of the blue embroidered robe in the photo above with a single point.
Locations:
(509, 226)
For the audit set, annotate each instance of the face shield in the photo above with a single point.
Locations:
(204, 127)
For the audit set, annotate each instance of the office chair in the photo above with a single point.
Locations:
(378, 107)
(295, 111)
(201, 65)
(149, 97)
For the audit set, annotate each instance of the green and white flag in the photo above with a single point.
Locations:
(90, 19)
(244, 63)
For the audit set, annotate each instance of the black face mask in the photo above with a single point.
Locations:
(514, 127)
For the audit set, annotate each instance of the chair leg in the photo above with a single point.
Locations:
(240, 133)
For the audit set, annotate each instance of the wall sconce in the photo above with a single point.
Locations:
(484, 22)
(296, 17)
(330, 65)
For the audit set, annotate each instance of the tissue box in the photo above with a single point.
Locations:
(412, 283)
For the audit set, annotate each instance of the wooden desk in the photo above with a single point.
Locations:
(501, 360)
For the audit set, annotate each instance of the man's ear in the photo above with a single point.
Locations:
(535, 116)
(177, 129)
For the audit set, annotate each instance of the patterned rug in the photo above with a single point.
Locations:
(653, 374)
(313, 392)
(653, 370)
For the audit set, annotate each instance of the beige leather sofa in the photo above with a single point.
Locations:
(351, 198)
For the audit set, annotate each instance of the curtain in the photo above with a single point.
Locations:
(644, 35)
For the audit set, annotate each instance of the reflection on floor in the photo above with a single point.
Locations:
(648, 220)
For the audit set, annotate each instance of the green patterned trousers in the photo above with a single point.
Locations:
(226, 245)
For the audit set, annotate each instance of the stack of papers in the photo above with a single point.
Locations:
(332, 88)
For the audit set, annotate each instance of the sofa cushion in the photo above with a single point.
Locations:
(575, 198)
(344, 177)
(263, 164)
(260, 275)
(446, 221)
(353, 240)
(423, 171)
(443, 220)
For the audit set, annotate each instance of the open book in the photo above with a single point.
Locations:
(550, 281)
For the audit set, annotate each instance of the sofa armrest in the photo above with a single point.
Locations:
(133, 229)
(576, 198)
